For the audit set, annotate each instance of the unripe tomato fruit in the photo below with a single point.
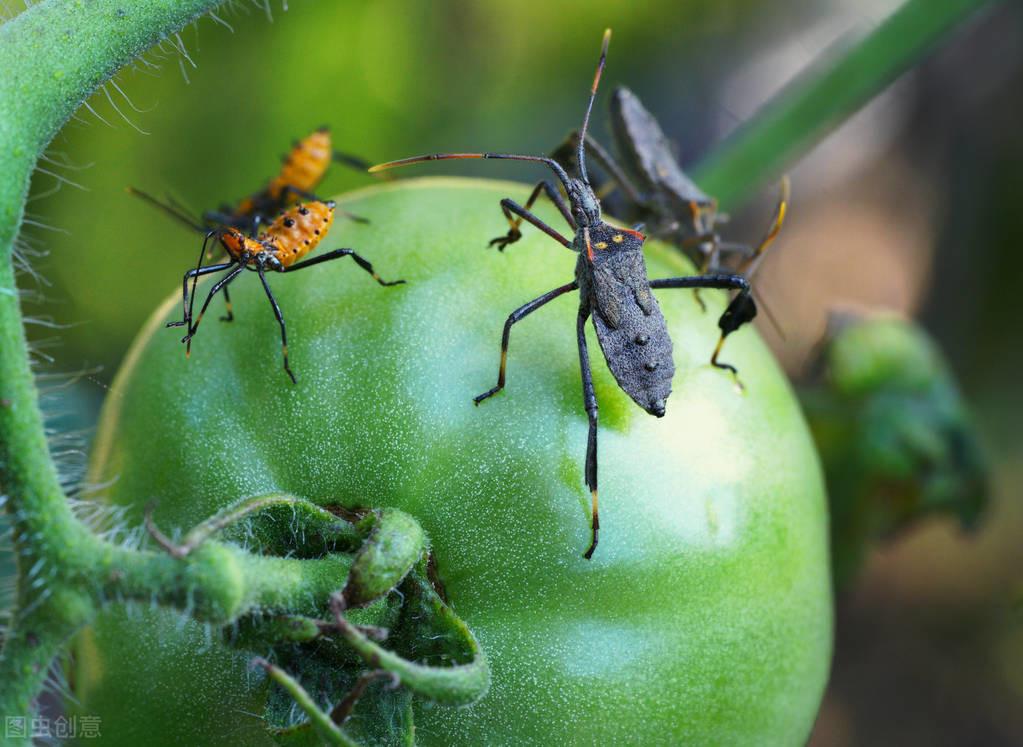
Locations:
(705, 614)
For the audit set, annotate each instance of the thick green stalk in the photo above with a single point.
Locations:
(216, 583)
(33, 644)
(800, 117)
(53, 56)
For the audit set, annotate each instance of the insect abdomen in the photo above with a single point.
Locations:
(631, 329)
(298, 230)
(304, 165)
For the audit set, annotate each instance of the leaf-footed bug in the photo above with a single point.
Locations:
(611, 278)
(659, 194)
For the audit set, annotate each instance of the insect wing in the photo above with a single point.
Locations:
(648, 151)
(631, 329)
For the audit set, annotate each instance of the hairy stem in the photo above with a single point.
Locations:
(236, 512)
(802, 115)
(32, 645)
(53, 56)
(329, 731)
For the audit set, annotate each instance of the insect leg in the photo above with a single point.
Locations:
(302, 194)
(353, 162)
(750, 264)
(187, 339)
(735, 249)
(510, 206)
(751, 257)
(280, 321)
(727, 248)
(186, 308)
(590, 403)
(742, 308)
(707, 245)
(253, 225)
(229, 316)
(709, 259)
(184, 290)
(520, 313)
(359, 260)
(198, 265)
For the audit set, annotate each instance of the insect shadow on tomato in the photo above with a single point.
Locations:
(649, 186)
(302, 169)
(295, 233)
(614, 290)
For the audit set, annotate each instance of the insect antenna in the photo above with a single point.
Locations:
(554, 165)
(173, 210)
(581, 154)
(550, 162)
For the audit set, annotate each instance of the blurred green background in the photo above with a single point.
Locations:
(912, 205)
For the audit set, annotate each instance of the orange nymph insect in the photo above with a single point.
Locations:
(302, 170)
(280, 248)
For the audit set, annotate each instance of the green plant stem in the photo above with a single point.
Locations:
(234, 513)
(329, 731)
(32, 645)
(458, 684)
(216, 583)
(807, 110)
(53, 56)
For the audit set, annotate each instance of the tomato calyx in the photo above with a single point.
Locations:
(431, 652)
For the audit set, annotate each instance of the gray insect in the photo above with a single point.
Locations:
(614, 291)
(654, 190)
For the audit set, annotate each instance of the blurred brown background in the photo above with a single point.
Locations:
(913, 204)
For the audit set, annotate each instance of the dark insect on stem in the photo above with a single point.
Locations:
(649, 186)
(614, 291)
(295, 233)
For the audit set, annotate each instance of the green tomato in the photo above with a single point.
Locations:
(703, 618)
